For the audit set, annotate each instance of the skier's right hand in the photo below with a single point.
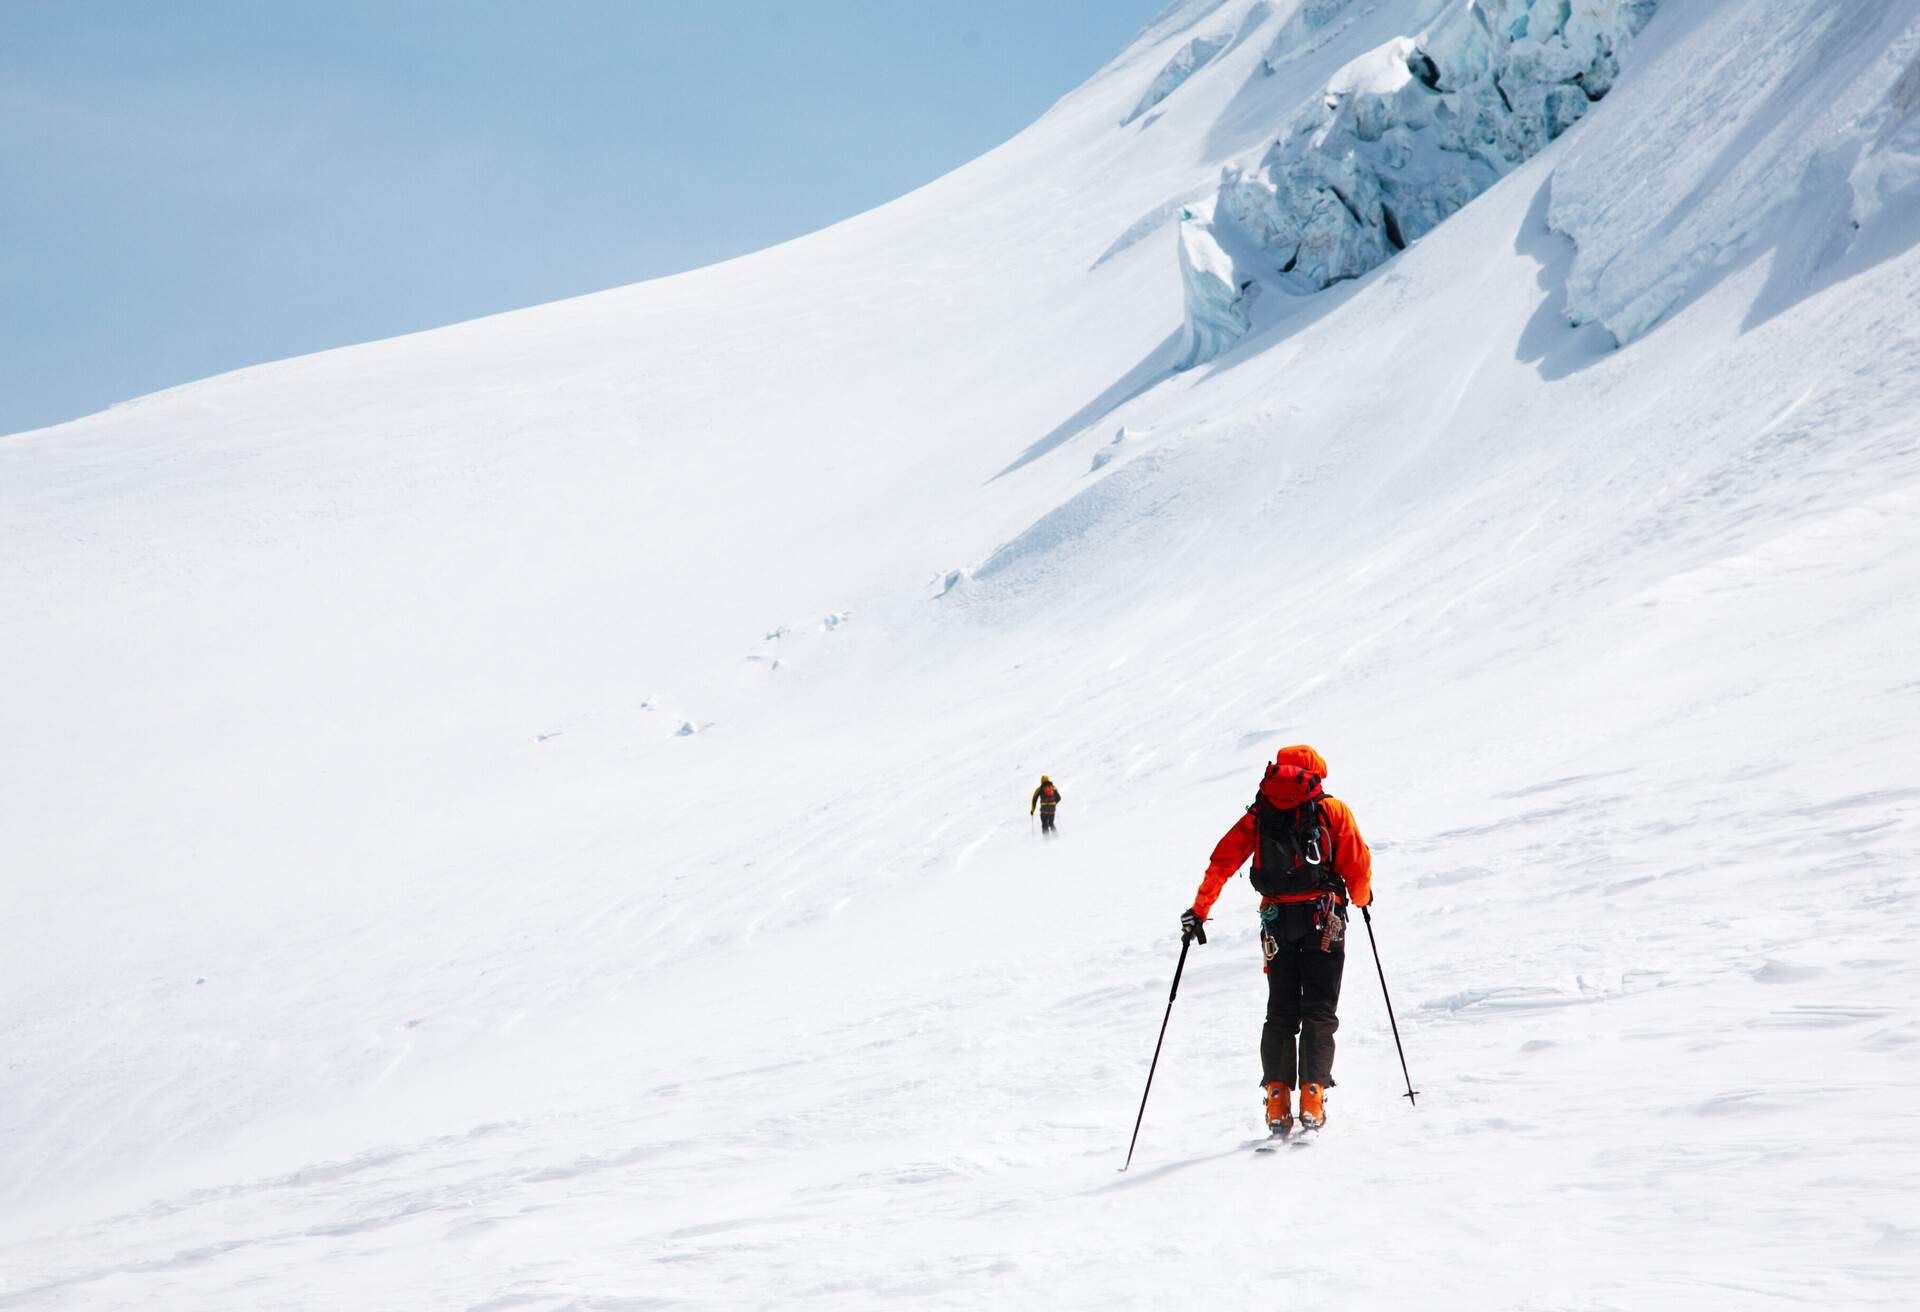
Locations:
(1191, 926)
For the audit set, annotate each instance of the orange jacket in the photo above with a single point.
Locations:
(1297, 779)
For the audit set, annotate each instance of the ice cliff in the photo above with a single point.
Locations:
(1216, 298)
(1402, 138)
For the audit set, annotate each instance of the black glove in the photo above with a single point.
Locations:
(1191, 926)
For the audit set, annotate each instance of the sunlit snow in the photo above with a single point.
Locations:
(534, 814)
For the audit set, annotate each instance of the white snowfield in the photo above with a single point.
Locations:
(529, 815)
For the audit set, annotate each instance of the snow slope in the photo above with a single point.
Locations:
(526, 815)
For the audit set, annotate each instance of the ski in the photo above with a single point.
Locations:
(1273, 1141)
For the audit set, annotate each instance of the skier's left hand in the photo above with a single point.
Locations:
(1191, 926)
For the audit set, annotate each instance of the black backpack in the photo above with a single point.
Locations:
(1294, 852)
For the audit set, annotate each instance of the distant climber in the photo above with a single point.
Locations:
(1309, 862)
(1046, 797)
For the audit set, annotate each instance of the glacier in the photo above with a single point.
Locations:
(1410, 132)
(1796, 131)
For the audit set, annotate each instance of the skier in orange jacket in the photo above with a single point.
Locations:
(1309, 863)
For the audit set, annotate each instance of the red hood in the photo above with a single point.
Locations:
(1294, 777)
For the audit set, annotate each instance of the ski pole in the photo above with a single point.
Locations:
(1366, 912)
(1185, 942)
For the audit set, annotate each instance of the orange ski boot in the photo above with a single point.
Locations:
(1313, 1106)
(1279, 1110)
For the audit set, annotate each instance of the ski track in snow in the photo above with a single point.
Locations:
(384, 945)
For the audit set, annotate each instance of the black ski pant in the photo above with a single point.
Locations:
(1303, 993)
(1046, 819)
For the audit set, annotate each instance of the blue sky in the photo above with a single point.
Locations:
(189, 188)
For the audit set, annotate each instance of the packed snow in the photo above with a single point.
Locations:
(418, 901)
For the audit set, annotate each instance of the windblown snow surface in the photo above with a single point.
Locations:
(530, 815)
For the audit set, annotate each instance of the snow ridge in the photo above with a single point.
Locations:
(1189, 59)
